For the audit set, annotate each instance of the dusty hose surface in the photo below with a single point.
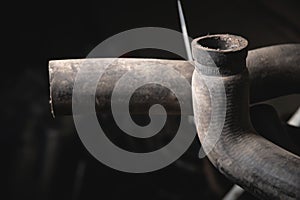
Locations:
(62, 74)
(274, 67)
(246, 158)
(254, 163)
(269, 67)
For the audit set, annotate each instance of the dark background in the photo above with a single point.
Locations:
(43, 158)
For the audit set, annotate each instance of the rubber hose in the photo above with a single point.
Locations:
(249, 160)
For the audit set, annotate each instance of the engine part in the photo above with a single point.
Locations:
(242, 155)
(269, 68)
(246, 158)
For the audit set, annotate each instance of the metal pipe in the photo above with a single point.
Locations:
(270, 67)
(249, 160)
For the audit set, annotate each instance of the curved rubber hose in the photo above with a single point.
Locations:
(251, 161)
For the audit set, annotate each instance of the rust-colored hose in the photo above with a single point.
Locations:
(242, 155)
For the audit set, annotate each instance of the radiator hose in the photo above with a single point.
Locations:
(259, 166)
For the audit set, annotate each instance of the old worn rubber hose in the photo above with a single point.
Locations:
(251, 161)
(274, 71)
(269, 67)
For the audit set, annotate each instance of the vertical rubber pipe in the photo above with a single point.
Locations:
(249, 160)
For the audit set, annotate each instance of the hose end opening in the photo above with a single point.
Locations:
(224, 51)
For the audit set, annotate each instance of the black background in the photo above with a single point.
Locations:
(36, 32)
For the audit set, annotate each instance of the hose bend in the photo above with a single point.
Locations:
(254, 163)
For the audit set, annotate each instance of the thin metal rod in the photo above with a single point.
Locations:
(184, 32)
(234, 193)
(295, 119)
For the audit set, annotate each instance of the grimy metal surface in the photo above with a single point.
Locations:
(251, 161)
(269, 68)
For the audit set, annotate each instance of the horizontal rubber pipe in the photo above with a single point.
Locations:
(235, 149)
(63, 74)
(274, 71)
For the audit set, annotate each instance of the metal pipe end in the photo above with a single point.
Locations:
(226, 52)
